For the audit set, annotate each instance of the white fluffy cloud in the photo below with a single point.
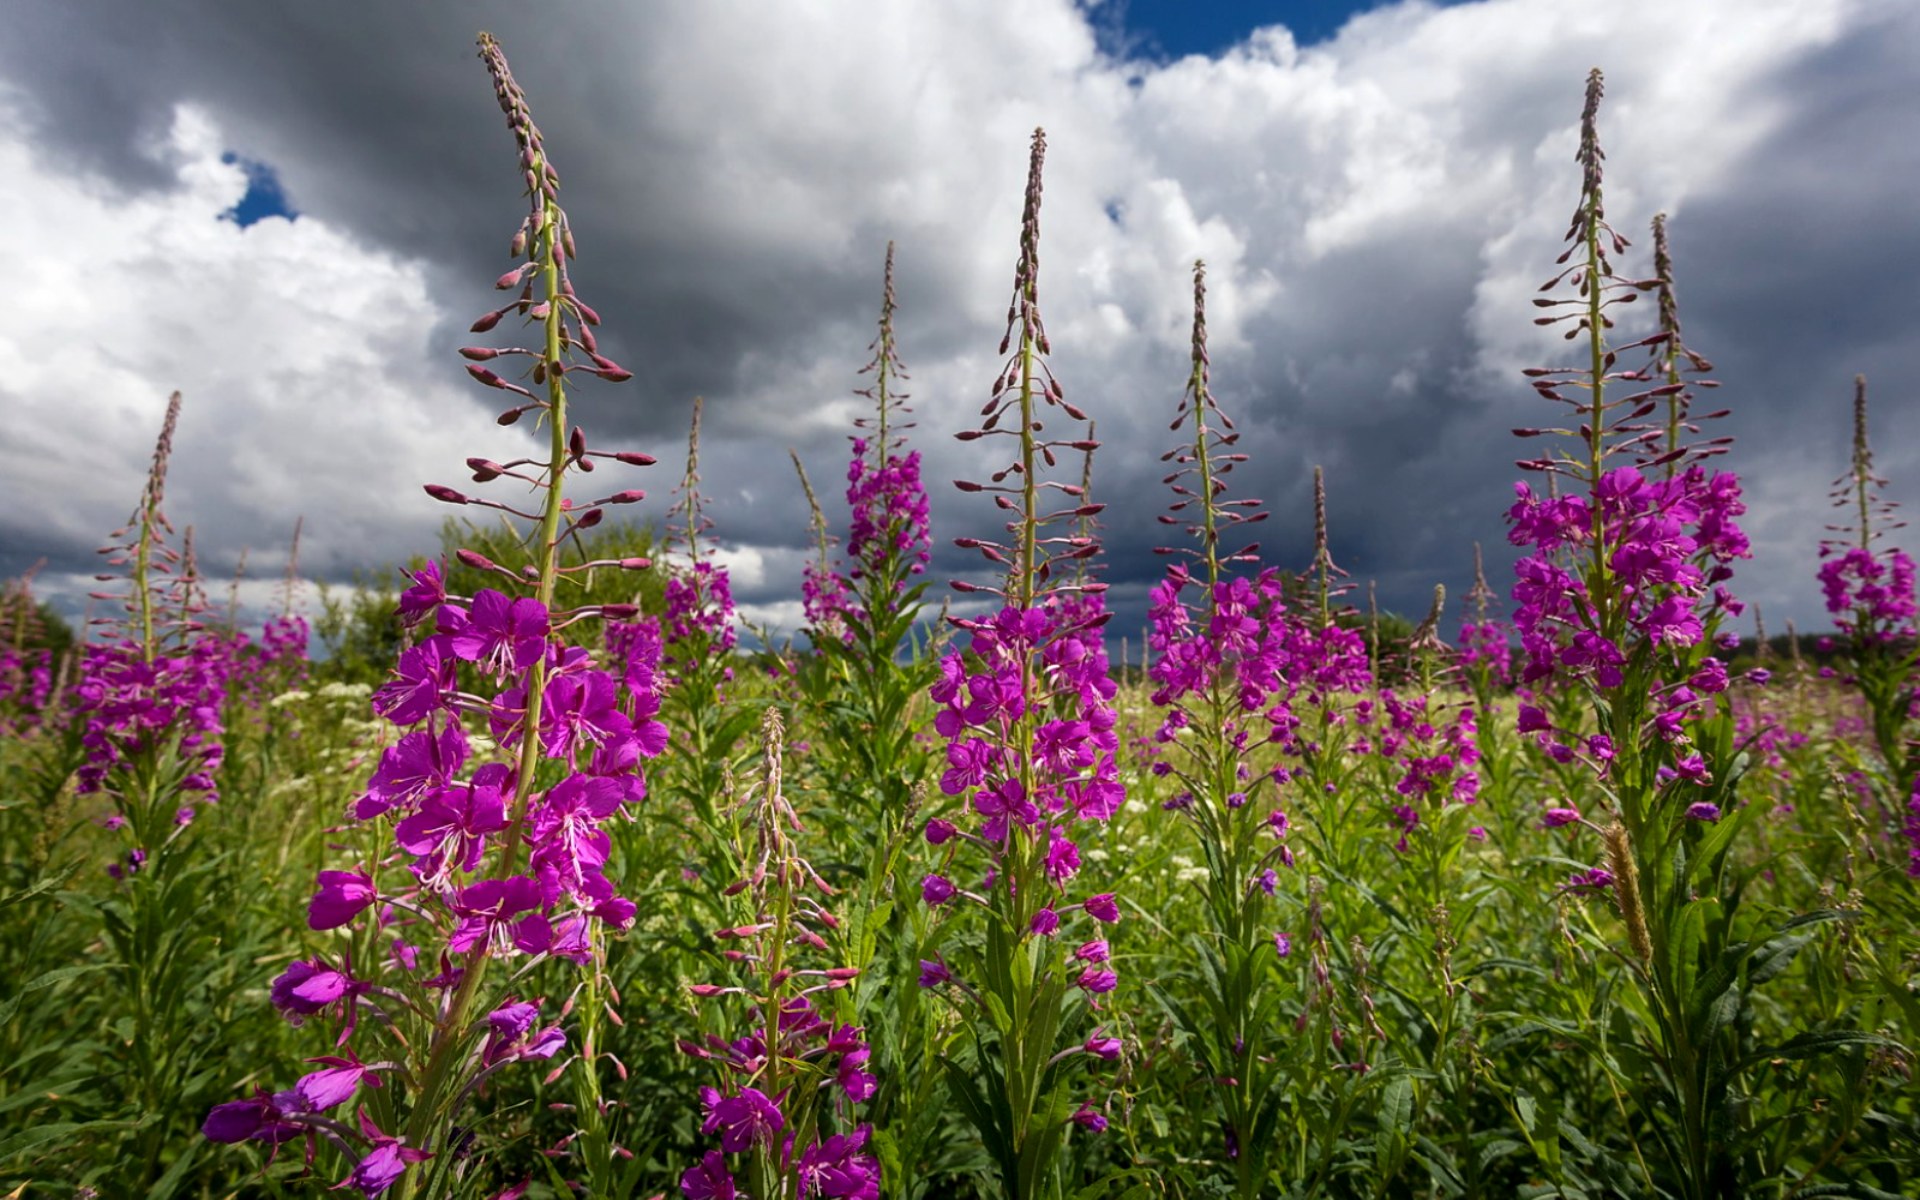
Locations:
(1375, 211)
(301, 354)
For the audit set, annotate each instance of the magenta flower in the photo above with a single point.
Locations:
(418, 763)
(1063, 857)
(307, 988)
(502, 636)
(569, 846)
(382, 1166)
(936, 890)
(335, 1083)
(341, 898)
(708, 1179)
(741, 1120)
(487, 906)
(1097, 981)
(450, 830)
(1102, 908)
(258, 1119)
(836, 1168)
(429, 591)
(421, 679)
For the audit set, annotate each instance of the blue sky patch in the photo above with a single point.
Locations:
(1169, 29)
(264, 196)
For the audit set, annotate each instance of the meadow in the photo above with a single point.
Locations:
(529, 871)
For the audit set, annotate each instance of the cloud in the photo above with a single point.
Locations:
(301, 353)
(1375, 210)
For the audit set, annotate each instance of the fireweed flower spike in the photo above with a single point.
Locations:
(824, 598)
(1869, 591)
(794, 1074)
(1030, 738)
(1224, 671)
(1620, 597)
(146, 735)
(875, 598)
(151, 691)
(697, 637)
(483, 859)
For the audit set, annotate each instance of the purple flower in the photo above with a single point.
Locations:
(307, 988)
(1103, 1047)
(333, 1084)
(933, 973)
(1282, 944)
(501, 635)
(741, 1120)
(342, 896)
(708, 1179)
(835, 1168)
(412, 767)
(1554, 818)
(1095, 951)
(1063, 857)
(1097, 981)
(449, 833)
(1089, 1118)
(1045, 922)
(423, 675)
(256, 1119)
(486, 906)
(1102, 908)
(939, 832)
(936, 890)
(428, 592)
(1703, 810)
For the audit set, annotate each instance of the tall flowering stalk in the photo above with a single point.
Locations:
(698, 635)
(147, 703)
(1220, 671)
(1323, 664)
(1621, 596)
(1869, 591)
(468, 860)
(1030, 748)
(824, 596)
(791, 1080)
(863, 615)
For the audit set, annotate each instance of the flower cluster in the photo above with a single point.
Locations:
(26, 689)
(149, 696)
(1871, 595)
(797, 1071)
(27, 674)
(1435, 762)
(1668, 543)
(699, 610)
(889, 508)
(130, 705)
(1045, 667)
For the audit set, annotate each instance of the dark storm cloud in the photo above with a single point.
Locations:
(1375, 209)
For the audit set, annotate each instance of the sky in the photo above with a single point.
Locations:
(292, 213)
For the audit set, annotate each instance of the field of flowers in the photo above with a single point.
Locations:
(529, 878)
